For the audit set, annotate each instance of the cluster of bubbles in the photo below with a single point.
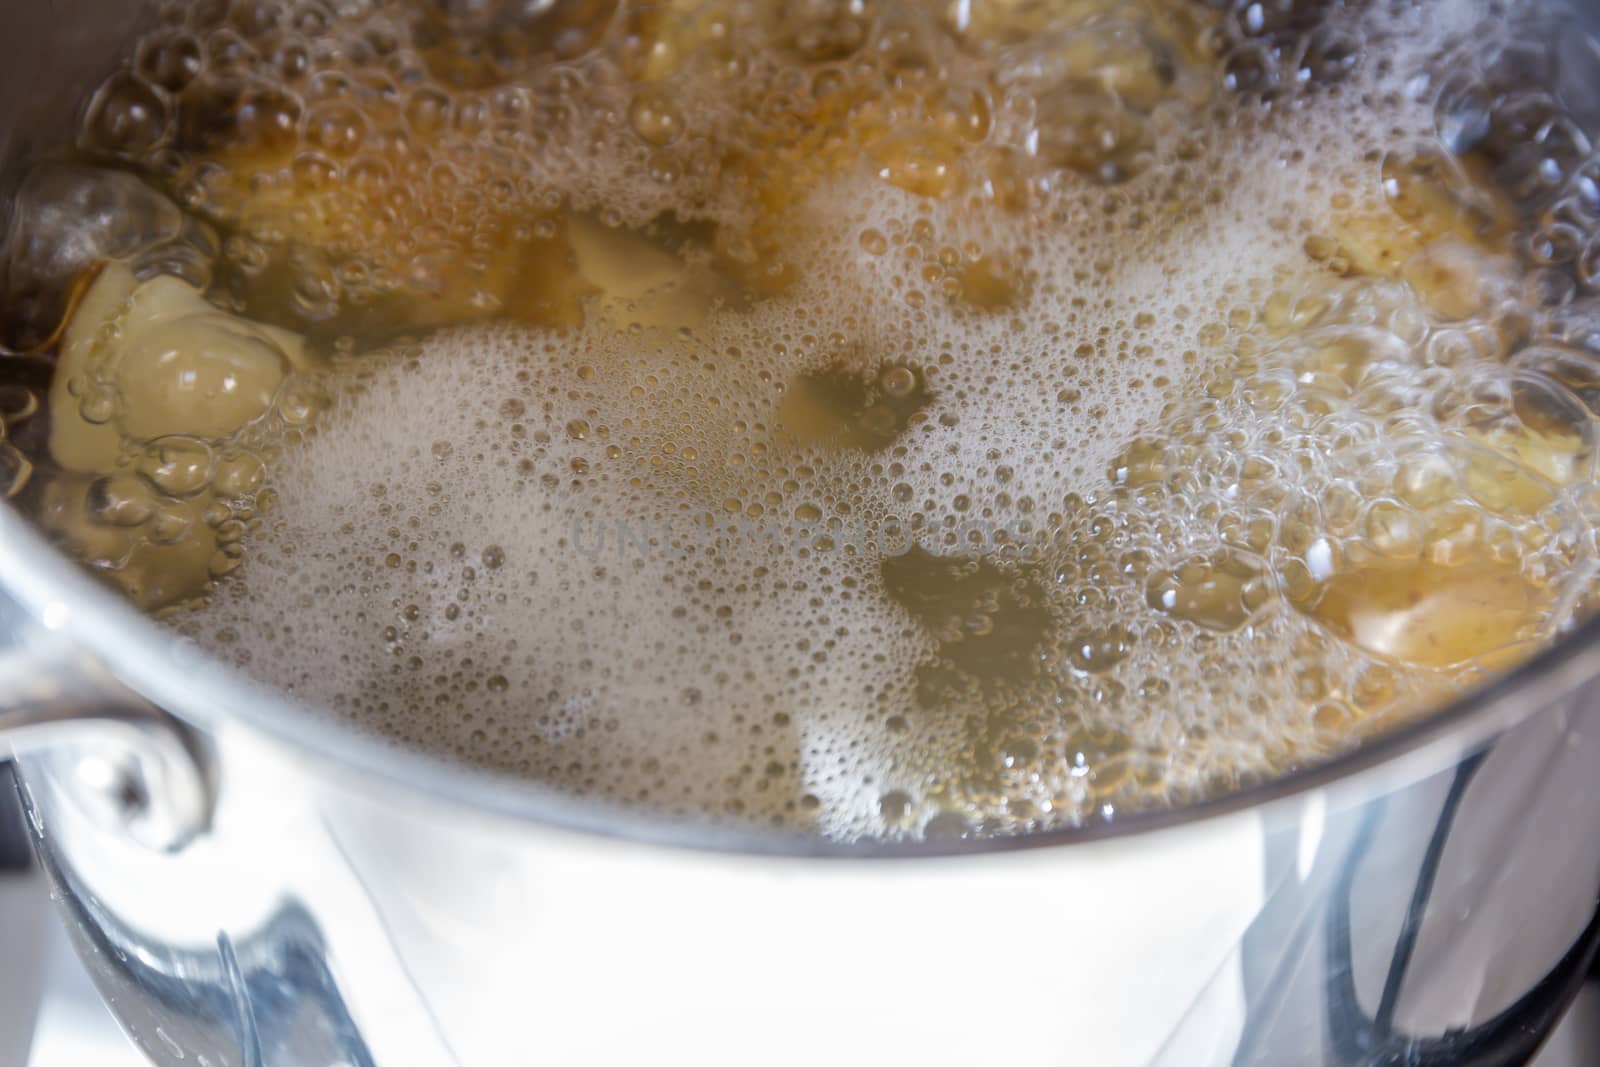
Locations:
(871, 419)
(170, 516)
(398, 163)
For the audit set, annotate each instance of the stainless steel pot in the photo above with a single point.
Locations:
(252, 887)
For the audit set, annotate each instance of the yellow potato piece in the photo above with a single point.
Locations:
(167, 362)
(318, 214)
(1430, 614)
(168, 365)
(1456, 280)
(642, 283)
(1562, 459)
(1430, 198)
(153, 573)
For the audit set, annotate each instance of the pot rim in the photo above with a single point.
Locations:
(169, 671)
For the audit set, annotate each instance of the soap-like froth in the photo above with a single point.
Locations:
(986, 520)
(457, 560)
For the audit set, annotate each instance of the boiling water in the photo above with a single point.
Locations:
(884, 420)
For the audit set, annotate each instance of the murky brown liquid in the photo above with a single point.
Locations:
(882, 419)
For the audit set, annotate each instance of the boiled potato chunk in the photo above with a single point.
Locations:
(158, 562)
(1430, 198)
(154, 359)
(1431, 614)
(152, 366)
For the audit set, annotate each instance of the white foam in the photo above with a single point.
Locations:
(724, 671)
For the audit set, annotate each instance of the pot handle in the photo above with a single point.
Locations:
(134, 768)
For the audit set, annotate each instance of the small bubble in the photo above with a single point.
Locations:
(899, 382)
(655, 118)
(127, 117)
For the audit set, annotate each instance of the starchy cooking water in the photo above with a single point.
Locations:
(877, 419)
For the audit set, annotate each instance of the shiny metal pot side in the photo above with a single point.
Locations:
(252, 886)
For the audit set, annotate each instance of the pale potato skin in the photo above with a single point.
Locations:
(176, 364)
(178, 369)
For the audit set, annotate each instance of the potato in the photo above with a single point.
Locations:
(140, 361)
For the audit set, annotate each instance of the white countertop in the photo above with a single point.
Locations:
(51, 1016)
